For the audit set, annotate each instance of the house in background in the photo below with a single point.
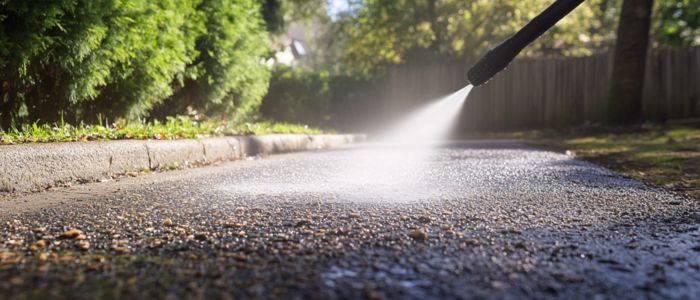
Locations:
(300, 46)
(293, 47)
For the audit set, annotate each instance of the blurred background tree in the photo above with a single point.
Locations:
(384, 32)
(677, 23)
(81, 60)
(299, 95)
(369, 36)
(376, 33)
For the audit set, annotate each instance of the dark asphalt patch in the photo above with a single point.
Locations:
(500, 220)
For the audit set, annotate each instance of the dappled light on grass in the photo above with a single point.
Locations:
(665, 156)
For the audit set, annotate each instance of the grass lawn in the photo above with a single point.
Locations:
(666, 156)
(172, 128)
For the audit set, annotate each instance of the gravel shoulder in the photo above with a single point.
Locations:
(480, 219)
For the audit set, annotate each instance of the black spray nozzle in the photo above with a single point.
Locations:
(498, 58)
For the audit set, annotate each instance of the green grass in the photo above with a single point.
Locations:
(173, 128)
(665, 156)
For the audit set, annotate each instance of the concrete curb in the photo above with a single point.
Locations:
(35, 167)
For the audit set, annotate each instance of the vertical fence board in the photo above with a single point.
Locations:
(546, 92)
(549, 92)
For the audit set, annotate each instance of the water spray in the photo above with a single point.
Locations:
(394, 165)
(498, 58)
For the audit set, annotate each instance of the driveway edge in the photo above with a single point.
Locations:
(36, 167)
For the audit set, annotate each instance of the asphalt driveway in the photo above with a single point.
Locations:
(477, 219)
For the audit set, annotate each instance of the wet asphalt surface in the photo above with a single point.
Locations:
(480, 219)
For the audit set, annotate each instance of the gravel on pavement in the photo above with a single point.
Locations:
(469, 220)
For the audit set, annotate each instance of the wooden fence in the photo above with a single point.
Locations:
(547, 92)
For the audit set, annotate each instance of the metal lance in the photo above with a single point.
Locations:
(498, 58)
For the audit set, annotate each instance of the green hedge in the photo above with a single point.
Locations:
(319, 99)
(82, 59)
(297, 95)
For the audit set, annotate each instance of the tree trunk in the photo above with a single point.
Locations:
(625, 106)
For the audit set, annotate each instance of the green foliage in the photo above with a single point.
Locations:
(298, 95)
(120, 58)
(279, 13)
(227, 78)
(269, 127)
(132, 49)
(163, 38)
(320, 98)
(388, 31)
(43, 44)
(677, 22)
(172, 128)
(385, 32)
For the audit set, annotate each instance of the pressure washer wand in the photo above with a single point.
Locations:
(498, 58)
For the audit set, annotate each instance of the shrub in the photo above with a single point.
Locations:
(120, 55)
(319, 99)
(163, 35)
(228, 77)
(298, 96)
(77, 59)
